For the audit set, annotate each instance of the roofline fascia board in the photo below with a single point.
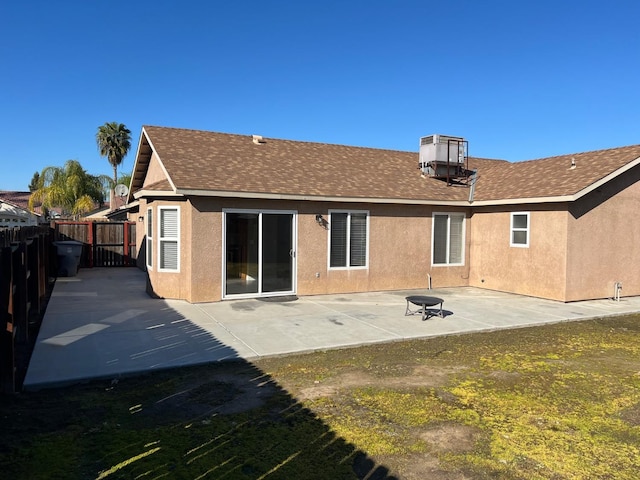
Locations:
(164, 170)
(319, 198)
(156, 193)
(522, 201)
(143, 134)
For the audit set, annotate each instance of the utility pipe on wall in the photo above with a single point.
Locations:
(617, 287)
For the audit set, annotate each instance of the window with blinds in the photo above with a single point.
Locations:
(149, 237)
(169, 239)
(448, 239)
(348, 239)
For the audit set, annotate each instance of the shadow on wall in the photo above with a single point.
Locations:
(607, 191)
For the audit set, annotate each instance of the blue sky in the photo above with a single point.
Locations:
(518, 79)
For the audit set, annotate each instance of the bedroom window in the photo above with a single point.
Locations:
(448, 239)
(348, 237)
(169, 239)
(520, 229)
(149, 237)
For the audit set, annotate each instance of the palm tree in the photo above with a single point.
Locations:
(69, 187)
(114, 141)
(125, 179)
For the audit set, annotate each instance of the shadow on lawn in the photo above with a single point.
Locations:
(213, 420)
(221, 420)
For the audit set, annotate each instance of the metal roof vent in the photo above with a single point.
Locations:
(445, 157)
(257, 139)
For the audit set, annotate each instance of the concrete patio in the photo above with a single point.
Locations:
(103, 324)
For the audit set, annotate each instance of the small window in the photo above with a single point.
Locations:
(149, 237)
(169, 239)
(348, 239)
(448, 239)
(520, 229)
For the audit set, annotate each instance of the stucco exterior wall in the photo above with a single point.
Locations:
(399, 250)
(575, 251)
(170, 284)
(155, 173)
(604, 241)
(141, 234)
(539, 270)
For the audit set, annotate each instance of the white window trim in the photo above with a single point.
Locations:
(463, 239)
(160, 239)
(223, 259)
(348, 267)
(149, 239)
(527, 230)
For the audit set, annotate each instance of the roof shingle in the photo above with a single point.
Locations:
(208, 161)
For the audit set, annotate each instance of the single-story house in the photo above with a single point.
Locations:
(225, 216)
(14, 210)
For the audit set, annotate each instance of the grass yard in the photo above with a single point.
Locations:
(553, 402)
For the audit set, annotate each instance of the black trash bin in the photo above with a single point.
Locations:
(69, 252)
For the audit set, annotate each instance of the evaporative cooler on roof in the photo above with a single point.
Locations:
(444, 157)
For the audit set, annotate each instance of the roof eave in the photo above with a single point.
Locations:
(522, 201)
(317, 198)
(156, 193)
(608, 178)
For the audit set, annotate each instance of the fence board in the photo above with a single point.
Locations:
(106, 244)
(24, 281)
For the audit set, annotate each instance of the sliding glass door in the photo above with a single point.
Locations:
(259, 253)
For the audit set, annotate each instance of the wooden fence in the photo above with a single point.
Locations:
(25, 271)
(106, 244)
(28, 263)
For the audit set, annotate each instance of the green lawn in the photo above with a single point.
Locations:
(553, 402)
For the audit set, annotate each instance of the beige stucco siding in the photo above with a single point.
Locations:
(141, 234)
(399, 254)
(539, 270)
(571, 254)
(206, 258)
(604, 241)
(155, 173)
(171, 284)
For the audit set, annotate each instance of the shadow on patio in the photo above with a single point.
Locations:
(145, 418)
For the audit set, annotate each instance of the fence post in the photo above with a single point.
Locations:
(7, 365)
(33, 282)
(20, 299)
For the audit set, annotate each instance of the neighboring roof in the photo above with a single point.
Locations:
(15, 215)
(209, 163)
(20, 199)
(122, 212)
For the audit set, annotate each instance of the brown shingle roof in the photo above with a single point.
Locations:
(160, 186)
(208, 161)
(20, 199)
(553, 176)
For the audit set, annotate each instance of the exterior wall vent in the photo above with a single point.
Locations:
(444, 157)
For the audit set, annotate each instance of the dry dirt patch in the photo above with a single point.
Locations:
(451, 438)
(419, 376)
